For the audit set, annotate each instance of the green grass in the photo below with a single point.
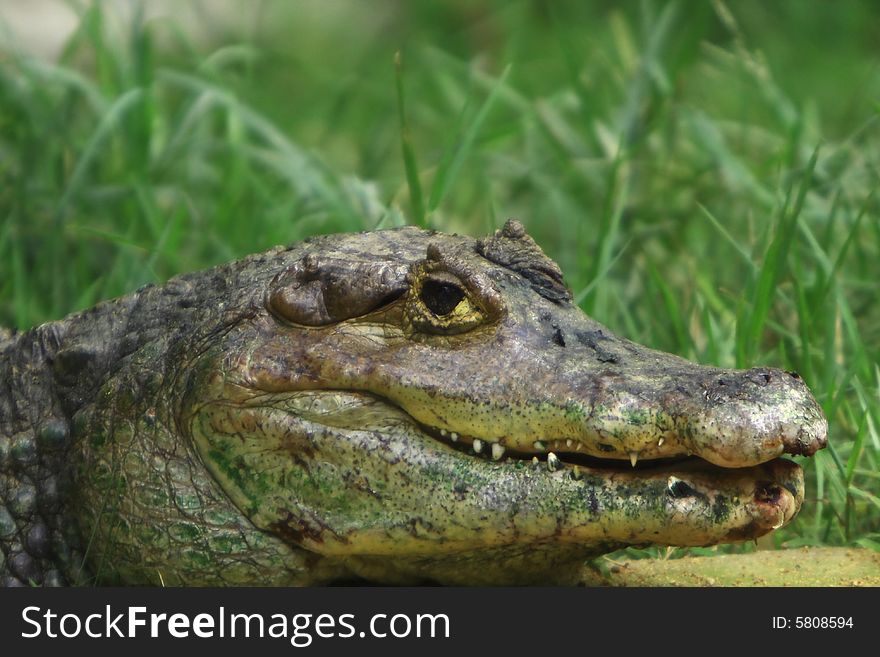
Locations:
(705, 174)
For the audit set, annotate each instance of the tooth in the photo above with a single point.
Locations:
(535, 460)
(576, 473)
(497, 451)
(660, 442)
(633, 458)
(442, 432)
(453, 436)
(577, 447)
(568, 442)
(478, 445)
(539, 445)
(781, 521)
(552, 462)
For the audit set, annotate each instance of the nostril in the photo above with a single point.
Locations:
(768, 493)
(794, 375)
(766, 378)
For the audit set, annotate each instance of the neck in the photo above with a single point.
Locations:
(37, 537)
(48, 375)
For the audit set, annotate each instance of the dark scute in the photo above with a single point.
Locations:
(71, 362)
(559, 337)
(23, 567)
(593, 340)
(37, 540)
(512, 248)
(441, 297)
(53, 435)
(54, 578)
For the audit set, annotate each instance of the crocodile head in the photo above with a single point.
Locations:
(411, 405)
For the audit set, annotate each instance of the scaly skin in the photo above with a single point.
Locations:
(401, 406)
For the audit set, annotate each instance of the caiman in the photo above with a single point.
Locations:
(397, 406)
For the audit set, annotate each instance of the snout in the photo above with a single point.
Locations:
(751, 416)
(655, 406)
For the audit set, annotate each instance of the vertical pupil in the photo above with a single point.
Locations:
(440, 297)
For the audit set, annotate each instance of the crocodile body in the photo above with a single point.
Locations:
(400, 406)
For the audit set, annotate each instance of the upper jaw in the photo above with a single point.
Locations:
(566, 455)
(731, 418)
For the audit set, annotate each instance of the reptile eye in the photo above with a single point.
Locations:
(677, 489)
(441, 297)
(441, 304)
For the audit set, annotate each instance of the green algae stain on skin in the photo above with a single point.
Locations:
(721, 509)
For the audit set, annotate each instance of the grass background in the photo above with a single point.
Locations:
(705, 173)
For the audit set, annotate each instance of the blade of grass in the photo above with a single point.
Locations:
(449, 166)
(745, 255)
(674, 314)
(585, 292)
(773, 268)
(109, 122)
(409, 155)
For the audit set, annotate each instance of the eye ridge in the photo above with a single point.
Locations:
(441, 297)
